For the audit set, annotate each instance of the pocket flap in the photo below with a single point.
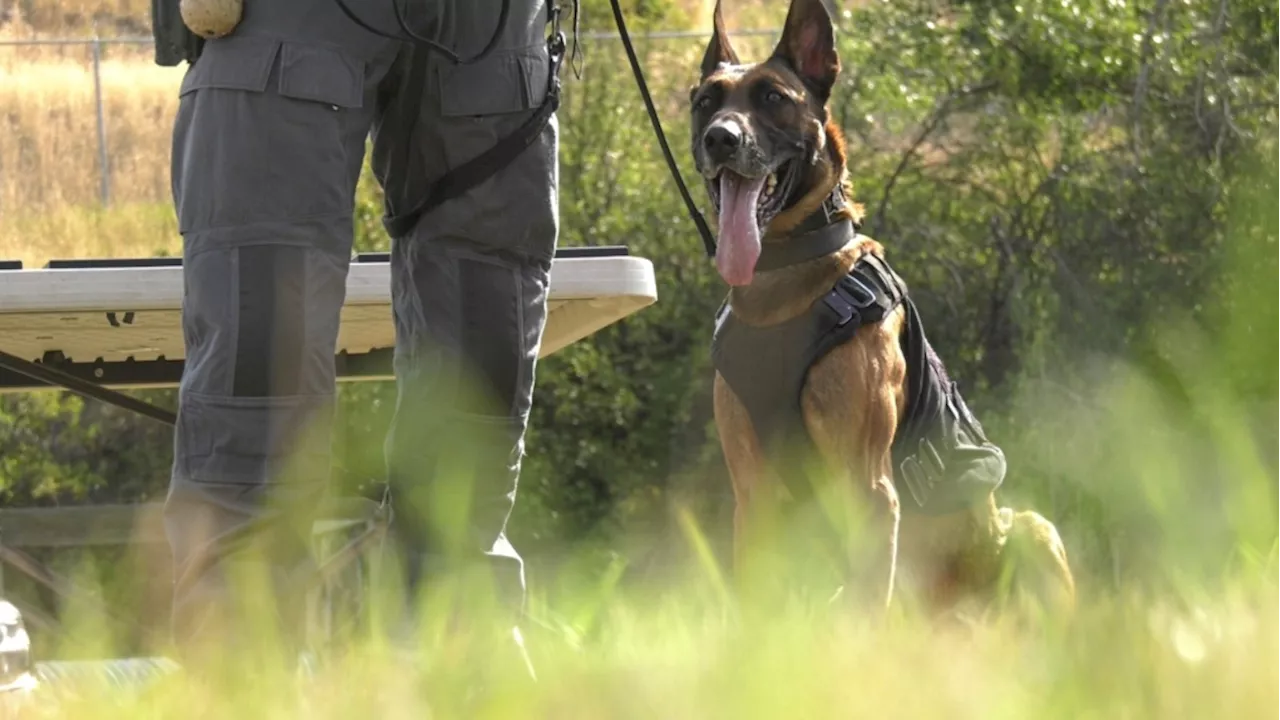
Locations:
(498, 84)
(236, 62)
(321, 74)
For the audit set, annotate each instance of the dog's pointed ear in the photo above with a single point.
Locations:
(808, 44)
(718, 50)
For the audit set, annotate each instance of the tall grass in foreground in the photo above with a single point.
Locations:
(1193, 635)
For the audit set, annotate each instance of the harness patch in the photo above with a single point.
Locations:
(942, 459)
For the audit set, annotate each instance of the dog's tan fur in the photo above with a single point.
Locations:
(851, 404)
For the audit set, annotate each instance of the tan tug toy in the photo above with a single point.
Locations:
(211, 19)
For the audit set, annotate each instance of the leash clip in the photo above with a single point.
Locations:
(557, 44)
(849, 298)
(554, 9)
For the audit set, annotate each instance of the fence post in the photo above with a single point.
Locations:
(103, 169)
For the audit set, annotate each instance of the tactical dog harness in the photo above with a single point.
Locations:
(942, 459)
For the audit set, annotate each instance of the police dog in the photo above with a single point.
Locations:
(773, 160)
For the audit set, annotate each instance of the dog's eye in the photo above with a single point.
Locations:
(702, 103)
(773, 97)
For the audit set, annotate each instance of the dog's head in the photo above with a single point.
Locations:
(762, 138)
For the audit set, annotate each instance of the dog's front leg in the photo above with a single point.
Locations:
(851, 402)
(746, 463)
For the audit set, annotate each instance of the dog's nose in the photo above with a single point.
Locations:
(722, 141)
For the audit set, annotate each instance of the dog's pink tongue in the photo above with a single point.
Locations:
(739, 242)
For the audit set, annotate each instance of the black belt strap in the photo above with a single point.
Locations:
(480, 168)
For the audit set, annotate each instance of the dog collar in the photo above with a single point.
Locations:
(809, 246)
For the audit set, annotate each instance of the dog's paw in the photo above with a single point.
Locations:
(1035, 567)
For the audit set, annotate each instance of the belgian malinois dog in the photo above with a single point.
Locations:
(774, 164)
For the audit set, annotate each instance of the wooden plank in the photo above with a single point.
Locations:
(65, 588)
(87, 525)
(80, 526)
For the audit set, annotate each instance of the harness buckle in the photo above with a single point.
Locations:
(843, 308)
(857, 292)
(849, 298)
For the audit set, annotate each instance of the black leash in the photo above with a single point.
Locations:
(707, 239)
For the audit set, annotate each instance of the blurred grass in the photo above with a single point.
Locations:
(1181, 454)
(1122, 662)
(1189, 632)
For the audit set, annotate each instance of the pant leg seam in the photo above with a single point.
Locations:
(237, 327)
(522, 367)
(345, 215)
(238, 399)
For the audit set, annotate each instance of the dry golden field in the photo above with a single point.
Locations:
(49, 160)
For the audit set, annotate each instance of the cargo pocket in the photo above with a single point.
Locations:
(307, 72)
(497, 85)
(232, 63)
(275, 150)
(254, 441)
(320, 74)
(309, 146)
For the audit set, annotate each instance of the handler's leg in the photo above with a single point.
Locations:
(268, 144)
(470, 299)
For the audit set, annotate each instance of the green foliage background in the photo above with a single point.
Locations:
(1082, 196)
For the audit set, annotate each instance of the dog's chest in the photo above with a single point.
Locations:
(942, 459)
(766, 368)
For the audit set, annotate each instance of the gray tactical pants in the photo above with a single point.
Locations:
(268, 145)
